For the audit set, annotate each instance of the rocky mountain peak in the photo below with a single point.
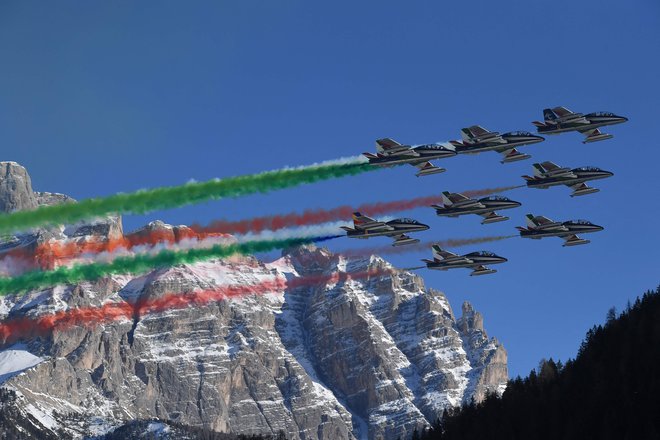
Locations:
(471, 319)
(309, 258)
(343, 350)
(16, 194)
(15, 188)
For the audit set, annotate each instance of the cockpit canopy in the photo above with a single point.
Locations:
(610, 114)
(481, 254)
(588, 169)
(520, 133)
(497, 198)
(579, 222)
(433, 147)
(409, 221)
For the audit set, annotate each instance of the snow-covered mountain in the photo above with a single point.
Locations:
(349, 348)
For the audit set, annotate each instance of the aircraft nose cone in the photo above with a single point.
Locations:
(608, 173)
(598, 228)
(624, 119)
(504, 260)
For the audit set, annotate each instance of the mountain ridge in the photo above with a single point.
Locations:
(366, 352)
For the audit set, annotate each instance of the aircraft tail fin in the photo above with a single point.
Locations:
(445, 198)
(549, 114)
(437, 253)
(539, 169)
(360, 220)
(466, 134)
(531, 221)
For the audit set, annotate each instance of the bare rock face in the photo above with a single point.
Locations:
(344, 349)
(16, 194)
(362, 350)
(15, 188)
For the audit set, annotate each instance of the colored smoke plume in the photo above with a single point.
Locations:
(88, 317)
(315, 216)
(142, 263)
(144, 201)
(48, 253)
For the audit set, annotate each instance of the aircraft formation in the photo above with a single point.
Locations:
(477, 139)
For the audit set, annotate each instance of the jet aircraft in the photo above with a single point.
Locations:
(477, 261)
(547, 174)
(366, 227)
(539, 227)
(456, 204)
(389, 152)
(561, 119)
(477, 139)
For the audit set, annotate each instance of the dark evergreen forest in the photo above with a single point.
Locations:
(610, 391)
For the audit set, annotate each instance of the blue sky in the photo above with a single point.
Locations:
(97, 98)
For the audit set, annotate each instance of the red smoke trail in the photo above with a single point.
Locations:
(316, 216)
(46, 255)
(88, 317)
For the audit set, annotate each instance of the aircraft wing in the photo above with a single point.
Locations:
(594, 135)
(403, 239)
(426, 168)
(492, 217)
(482, 270)
(581, 189)
(542, 220)
(512, 155)
(563, 112)
(387, 147)
(478, 131)
(550, 166)
(388, 144)
(574, 240)
(364, 223)
(457, 197)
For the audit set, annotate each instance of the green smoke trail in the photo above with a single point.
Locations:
(143, 201)
(140, 264)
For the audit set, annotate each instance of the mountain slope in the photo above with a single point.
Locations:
(610, 391)
(348, 348)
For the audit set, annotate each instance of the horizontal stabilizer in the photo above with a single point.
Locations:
(347, 229)
(538, 124)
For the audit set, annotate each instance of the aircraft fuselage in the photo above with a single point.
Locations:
(466, 261)
(507, 141)
(566, 229)
(579, 177)
(399, 228)
(422, 153)
(482, 206)
(595, 121)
